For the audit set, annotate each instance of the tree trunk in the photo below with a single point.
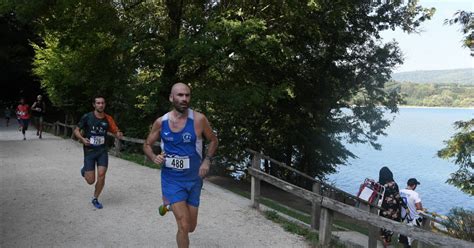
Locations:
(170, 69)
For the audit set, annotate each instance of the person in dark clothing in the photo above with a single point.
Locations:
(391, 202)
(38, 110)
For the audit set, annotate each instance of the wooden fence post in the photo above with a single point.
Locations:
(56, 128)
(118, 146)
(373, 231)
(425, 224)
(255, 183)
(316, 207)
(325, 227)
(72, 132)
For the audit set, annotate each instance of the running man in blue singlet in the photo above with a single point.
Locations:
(181, 132)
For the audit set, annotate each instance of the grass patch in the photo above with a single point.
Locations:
(305, 232)
(310, 236)
(299, 216)
(352, 227)
(276, 206)
(282, 209)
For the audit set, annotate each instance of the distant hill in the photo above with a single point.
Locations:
(456, 76)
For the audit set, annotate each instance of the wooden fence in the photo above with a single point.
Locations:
(62, 129)
(324, 207)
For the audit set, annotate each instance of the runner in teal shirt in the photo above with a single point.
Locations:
(95, 125)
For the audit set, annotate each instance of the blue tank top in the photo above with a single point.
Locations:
(183, 150)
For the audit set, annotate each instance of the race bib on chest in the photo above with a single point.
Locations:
(97, 140)
(180, 163)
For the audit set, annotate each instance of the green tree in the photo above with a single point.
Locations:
(466, 20)
(85, 51)
(15, 60)
(461, 148)
(292, 79)
(459, 223)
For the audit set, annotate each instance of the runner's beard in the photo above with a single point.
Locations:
(181, 108)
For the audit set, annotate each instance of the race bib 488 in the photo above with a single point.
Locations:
(180, 163)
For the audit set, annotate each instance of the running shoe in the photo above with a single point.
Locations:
(163, 209)
(96, 203)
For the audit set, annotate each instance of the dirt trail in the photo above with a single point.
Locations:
(44, 202)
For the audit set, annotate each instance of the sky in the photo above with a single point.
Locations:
(439, 46)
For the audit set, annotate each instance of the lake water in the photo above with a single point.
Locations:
(409, 150)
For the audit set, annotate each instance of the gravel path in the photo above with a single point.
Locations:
(44, 202)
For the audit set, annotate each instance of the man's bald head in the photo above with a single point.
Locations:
(180, 96)
(179, 87)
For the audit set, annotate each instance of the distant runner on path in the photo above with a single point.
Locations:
(23, 116)
(184, 165)
(8, 114)
(95, 125)
(38, 108)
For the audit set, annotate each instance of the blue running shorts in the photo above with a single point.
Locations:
(176, 191)
(93, 156)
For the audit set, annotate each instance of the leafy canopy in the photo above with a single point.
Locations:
(460, 148)
(292, 79)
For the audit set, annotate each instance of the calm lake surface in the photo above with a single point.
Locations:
(409, 150)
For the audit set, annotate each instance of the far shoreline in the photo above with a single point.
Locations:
(437, 107)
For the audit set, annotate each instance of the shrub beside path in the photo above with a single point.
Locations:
(44, 202)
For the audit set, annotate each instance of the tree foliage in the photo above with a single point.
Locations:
(466, 20)
(292, 79)
(15, 60)
(460, 148)
(460, 223)
(435, 95)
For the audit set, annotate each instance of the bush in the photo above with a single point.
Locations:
(460, 223)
